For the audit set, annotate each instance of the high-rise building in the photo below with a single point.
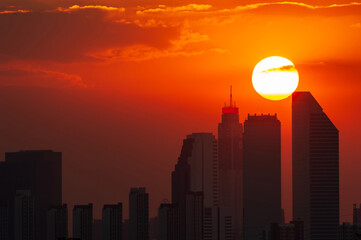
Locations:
(57, 222)
(315, 168)
(168, 221)
(40, 172)
(138, 214)
(4, 221)
(356, 214)
(24, 215)
(261, 174)
(112, 221)
(230, 165)
(194, 216)
(284, 231)
(195, 172)
(83, 222)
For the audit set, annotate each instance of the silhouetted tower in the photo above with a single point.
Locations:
(168, 219)
(262, 174)
(356, 214)
(24, 215)
(138, 214)
(315, 168)
(57, 222)
(230, 165)
(83, 222)
(112, 221)
(40, 172)
(195, 172)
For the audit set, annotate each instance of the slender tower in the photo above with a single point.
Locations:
(315, 170)
(261, 174)
(230, 165)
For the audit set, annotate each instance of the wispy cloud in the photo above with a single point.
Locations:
(99, 7)
(180, 9)
(285, 68)
(14, 11)
(22, 75)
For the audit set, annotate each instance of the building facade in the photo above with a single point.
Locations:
(315, 168)
(262, 174)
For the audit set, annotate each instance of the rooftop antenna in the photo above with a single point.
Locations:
(230, 97)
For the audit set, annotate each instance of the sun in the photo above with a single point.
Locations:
(275, 78)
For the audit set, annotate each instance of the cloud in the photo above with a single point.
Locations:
(285, 68)
(14, 11)
(180, 9)
(188, 44)
(98, 7)
(72, 36)
(39, 77)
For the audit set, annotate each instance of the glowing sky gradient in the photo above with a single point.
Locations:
(117, 85)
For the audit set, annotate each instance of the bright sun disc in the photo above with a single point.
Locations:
(275, 78)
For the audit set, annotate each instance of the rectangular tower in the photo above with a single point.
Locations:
(315, 168)
(262, 174)
(40, 172)
(138, 214)
(112, 220)
(57, 222)
(83, 221)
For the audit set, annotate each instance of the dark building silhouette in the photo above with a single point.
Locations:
(83, 222)
(138, 214)
(24, 215)
(347, 231)
(40, 172)
(356, 214)
(315, 168)
(284, 231)
(4, 220)
(230, 166)
(57, 222)
(195, 174)
(168, 220)
(194, 216)
(262, 174)
(112, 220)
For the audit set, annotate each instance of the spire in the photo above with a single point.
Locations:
(230, 97)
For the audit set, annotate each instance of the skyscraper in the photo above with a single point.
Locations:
(138, 214)
(40, 172)
(262, 174)
(168, 217)
(24, 215)
(230, 165)
(112, 220)
(195, 172)
(83, 222)
(57, 222)
(315, 170)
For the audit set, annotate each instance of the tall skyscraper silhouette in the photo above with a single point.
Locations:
(138, 214)
(112, 220)
(57, 222)
(83, 222)
(40, 172)
(262, 174)
(195, 175)
(315, 168)
(230, 165)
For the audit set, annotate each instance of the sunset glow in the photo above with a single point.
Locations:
(275, 78)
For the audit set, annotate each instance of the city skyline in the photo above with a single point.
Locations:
(94, 78)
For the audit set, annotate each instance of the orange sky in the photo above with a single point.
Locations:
(117, 85)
